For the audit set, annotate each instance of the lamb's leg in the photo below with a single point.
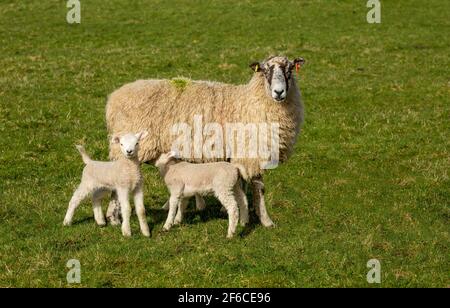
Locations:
(199, 203)
(126, 211)
(259, 203)
(180, 214)
(166, 206)
(140, 210)
(229, 202)
(113, 212)
(243, 204)
(174, 203)
(97, 206)
(80, 193)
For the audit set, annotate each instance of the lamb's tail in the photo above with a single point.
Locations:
(84, 155)
(242, 172)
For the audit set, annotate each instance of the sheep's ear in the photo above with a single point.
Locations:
(299, 61)
(115, 139)
(142, 135)
(256, 66)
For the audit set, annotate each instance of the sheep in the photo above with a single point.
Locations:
(221, 179)
(122, 176)
(271, 96)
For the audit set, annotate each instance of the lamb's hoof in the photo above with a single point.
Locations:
(167, 228)
(114, 221)
(243, 222)
(230, 236)
(101, 224)
(146, 234)
(67, 223)
(126, 233)
(268, 223)
(177, 222)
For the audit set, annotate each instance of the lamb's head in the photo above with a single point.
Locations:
(165, 158)
(277, 72)
(129, 143)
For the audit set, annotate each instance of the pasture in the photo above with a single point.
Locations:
(369, 178)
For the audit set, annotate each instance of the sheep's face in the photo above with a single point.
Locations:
(278, 75)
(129, 143)
(165, 158)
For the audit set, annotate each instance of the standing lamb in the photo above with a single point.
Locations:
(271, 96)
(221, 179)
(122, 176)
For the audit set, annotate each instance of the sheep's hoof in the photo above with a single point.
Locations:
(67, 223)
(230, 236)
(167, 228)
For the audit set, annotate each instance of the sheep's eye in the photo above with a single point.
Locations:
(121, 144)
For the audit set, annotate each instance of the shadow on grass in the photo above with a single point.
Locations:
(211, 212)
(84, 220)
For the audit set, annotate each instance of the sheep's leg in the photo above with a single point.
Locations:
(243, 204)
(229, 202)
(80, 193)
(126, 211)
(97, 206)
(182, 208)
(200, 202)
(259, 203)
(174, 203)
(140, 210)
(113, 212)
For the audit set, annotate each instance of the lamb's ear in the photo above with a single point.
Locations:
(142, 135)
(172, 154)
(256, 66)
(115, 139)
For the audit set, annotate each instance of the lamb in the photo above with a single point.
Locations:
(271, 96)
(221, 179)
(122, 176)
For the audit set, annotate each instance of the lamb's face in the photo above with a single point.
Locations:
(129, 143)
(278, 75)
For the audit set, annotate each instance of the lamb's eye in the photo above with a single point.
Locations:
(121, 144)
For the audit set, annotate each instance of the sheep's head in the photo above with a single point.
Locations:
(278, 75)
(129, 143)
(165, 158)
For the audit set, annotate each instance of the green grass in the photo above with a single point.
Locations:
(369, 177)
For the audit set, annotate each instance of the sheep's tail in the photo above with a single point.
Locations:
(242, 172)
(84, 155)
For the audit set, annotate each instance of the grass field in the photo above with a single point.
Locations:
(369, 177)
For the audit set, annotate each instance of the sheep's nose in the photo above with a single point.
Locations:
(129, 151)
(279, 93)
